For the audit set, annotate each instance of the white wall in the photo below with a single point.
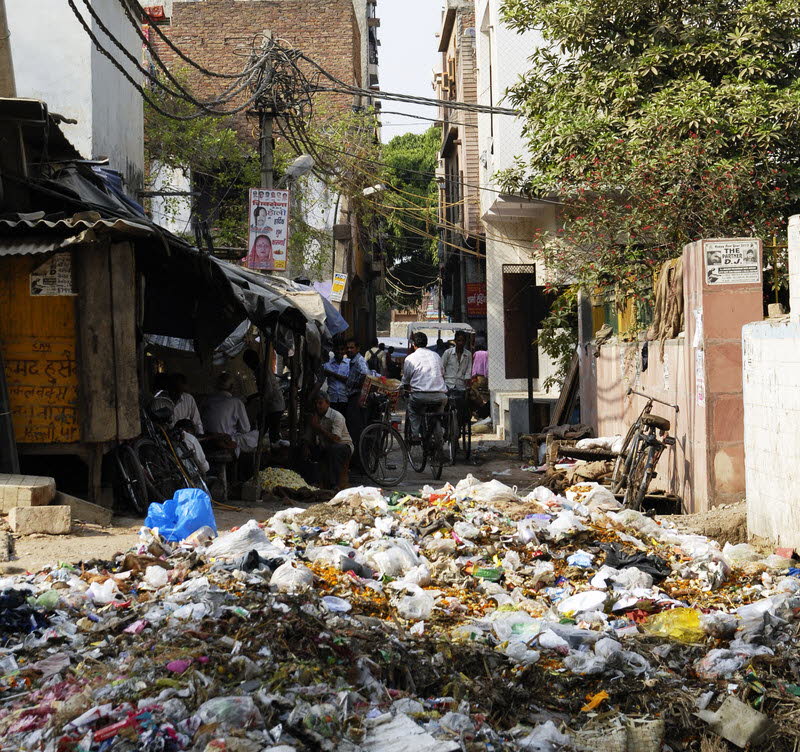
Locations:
(55, 61)
(771, 376)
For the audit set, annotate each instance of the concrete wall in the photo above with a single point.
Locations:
(771, 364)
(55, 61)
(700, 371)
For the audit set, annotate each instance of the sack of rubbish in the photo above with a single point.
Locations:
(681, 624)
(291, 577)
(249, 537)
(415, 603)
(177, 518)
(368, 497)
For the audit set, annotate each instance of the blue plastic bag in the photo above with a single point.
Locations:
(177, 518)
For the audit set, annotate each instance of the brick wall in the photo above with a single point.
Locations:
(218, 34)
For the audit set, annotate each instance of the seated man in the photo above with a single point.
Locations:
(226, 415)
(424, 379)
(331, 444)
(185, 405)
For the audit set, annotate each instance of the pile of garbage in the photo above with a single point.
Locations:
(462, 618)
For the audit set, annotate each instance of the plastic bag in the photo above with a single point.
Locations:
(466, 530)
(291, 577)
(236, 712)
(370, 498)
(719, 624)
(681, 624)
(588, 600)
(580, 558)
(564, 525)
(593, 496)
(492, 491)
(521, 654)
(343, 558)
(105, 592)
(544, 738)
(741, 553)
(718, 664)
(632, 578)
(416, 603)
(392, 557)
(156, 576)
(177, 518)
(249, 537)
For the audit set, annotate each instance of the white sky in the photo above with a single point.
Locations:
(407, 57)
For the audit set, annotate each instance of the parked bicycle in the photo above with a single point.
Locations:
(459, 425)
(429, 449)
(384, 456)
(159, 462)
(642, 448)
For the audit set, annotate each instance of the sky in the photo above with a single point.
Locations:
(407, 57)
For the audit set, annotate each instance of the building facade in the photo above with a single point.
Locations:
(341, 36)
(57, 62)
(461, 231)
(515, 278)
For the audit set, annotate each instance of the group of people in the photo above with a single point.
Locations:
(336, 419)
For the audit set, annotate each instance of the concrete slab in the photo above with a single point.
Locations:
(83, 510)
(55, 520)
(25, 491)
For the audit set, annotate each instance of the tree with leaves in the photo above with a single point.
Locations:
(657, 122)
(408, 209)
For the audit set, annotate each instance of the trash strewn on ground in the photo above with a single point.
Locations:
(462, 618)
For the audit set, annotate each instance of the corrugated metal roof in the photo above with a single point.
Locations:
(30, 244)
(89, 221)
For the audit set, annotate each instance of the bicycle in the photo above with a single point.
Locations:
(131, 481)
(428, 450)
(642, 448)
(459, 425)
(384, 456)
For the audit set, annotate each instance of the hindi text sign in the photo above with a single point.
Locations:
(268, 217)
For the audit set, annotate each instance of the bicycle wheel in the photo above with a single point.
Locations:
(453, 433)
(435, 444)
(131, 478)
(416, 451)
(384, 457)
(618, 477)
(163, 477)
(639, 479)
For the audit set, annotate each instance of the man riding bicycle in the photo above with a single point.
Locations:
(423, 377)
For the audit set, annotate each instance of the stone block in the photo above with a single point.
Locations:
(84, 511)
(6, 546)
(25, 491)
(55, 520)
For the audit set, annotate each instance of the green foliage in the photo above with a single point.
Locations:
(558, 336)
(657, 122)
(409, 211)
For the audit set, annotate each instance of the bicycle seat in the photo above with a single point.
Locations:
(656, 422)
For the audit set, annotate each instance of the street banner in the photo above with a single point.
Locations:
(338, 287)
(268, 214)
(732, 262)
(476, 298)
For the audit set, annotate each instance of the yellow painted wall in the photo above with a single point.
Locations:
(38, 340)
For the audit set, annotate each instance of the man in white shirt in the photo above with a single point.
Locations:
(185, 405)
(225, 414)
(457, 364)
(424, 378)
(193, 443)
(331, 442)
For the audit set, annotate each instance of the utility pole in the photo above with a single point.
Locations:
(267, 150)
(8, 86)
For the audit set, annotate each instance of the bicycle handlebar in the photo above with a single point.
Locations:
(653, 399)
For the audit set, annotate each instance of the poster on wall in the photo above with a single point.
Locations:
(732, 262)
(338, 287)
(54, 276)
(269, 229)
(700, 377)
(476, 298)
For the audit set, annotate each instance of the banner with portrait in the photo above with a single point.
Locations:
(268, 217)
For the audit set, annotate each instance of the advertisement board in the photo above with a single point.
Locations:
(268, 218)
